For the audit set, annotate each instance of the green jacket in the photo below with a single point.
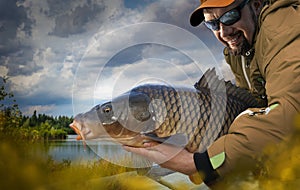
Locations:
(273, 76)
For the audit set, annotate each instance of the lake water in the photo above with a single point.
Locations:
(69, 149)
(76, 151)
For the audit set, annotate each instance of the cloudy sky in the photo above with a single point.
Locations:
(63, 57)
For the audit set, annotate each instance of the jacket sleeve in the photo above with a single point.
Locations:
(247, 137)
(250, 134)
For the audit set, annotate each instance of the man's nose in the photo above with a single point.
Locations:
(225, 30)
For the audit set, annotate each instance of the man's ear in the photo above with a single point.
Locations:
(257, 5)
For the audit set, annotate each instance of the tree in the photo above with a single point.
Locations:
(38, 126)
(33, 120)
(10, 114)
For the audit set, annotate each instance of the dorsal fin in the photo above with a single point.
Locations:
(210, 81)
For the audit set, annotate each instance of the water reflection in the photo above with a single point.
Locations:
(74, 150)
(69, 149)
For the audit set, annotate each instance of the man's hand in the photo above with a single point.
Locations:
(167, 156)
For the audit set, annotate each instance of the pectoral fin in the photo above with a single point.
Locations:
(179, 139)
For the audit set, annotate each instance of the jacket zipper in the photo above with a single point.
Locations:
(245, 73)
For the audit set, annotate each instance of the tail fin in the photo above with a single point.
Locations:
(210, 81)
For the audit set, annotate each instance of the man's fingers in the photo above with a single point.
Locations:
(150, 144)
(130, 148)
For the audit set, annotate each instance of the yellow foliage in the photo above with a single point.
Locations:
(20, 170)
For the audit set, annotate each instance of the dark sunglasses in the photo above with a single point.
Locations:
(228, 18)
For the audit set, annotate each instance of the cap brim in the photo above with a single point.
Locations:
(197, 16)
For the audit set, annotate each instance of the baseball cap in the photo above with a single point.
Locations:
(197, 16)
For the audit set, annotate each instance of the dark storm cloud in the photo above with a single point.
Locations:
(137, 3)
(126, 56)
(18, 63)
(41, 99)
(178, 13)
(68, 20)
(14, 54)
(42, 43)
(12, 18)
(139, 52)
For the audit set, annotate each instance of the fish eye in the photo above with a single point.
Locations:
(107, 109)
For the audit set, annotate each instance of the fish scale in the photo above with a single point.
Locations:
(174, 103)
(159, 112)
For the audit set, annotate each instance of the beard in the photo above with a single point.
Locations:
(241, 49)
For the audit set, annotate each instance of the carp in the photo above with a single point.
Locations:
(189, 117)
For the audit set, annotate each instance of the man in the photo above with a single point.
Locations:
(262, 47)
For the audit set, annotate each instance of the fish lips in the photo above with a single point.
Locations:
(77, 131)
(82, 132)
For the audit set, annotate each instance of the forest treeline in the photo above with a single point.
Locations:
(41, 126)
(34, 127)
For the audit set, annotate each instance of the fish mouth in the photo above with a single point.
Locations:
(76, 129)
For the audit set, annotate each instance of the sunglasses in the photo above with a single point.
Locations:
(228, 18)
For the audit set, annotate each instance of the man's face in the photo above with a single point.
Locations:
(238, 37)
